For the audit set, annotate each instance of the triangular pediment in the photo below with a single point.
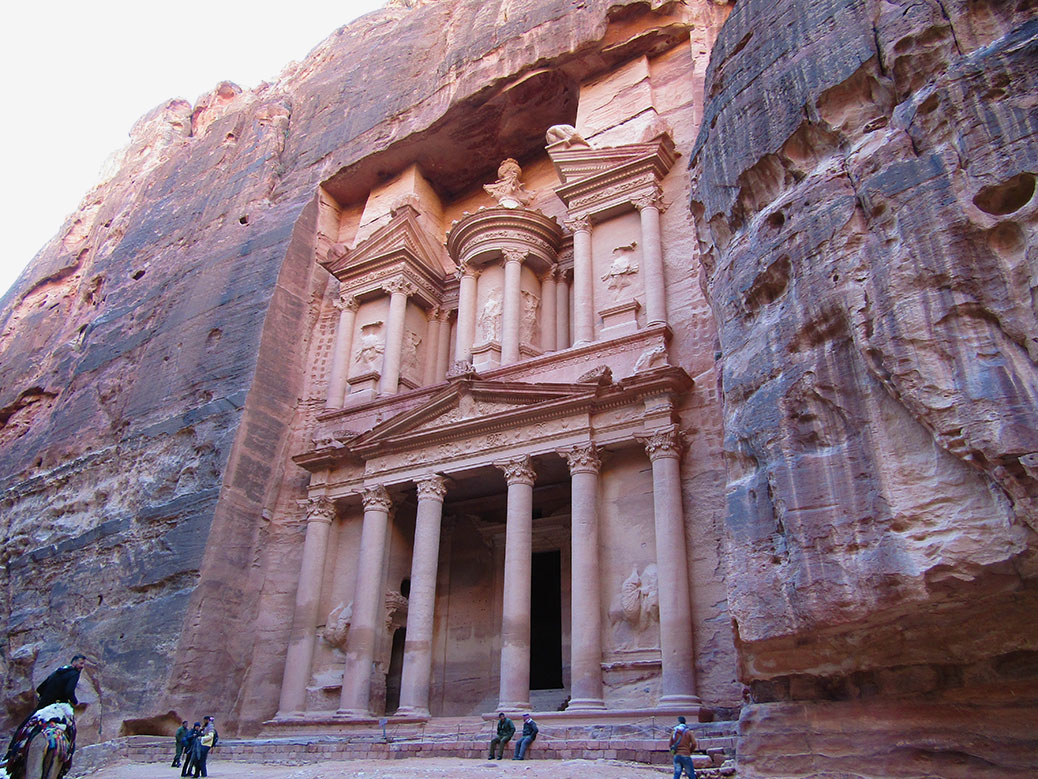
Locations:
(470, 405)
(402, 237)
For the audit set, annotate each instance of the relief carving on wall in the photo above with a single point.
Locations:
(409, 359)
(396, 610)
(369, 353)
(490, 318)
(622, 270)
(636, 609)
(337, 625)
(528, 317)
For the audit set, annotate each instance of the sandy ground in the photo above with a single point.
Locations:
(415, 768)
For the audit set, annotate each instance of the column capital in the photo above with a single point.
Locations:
(514, 255)
(582, 458)
(400, 284)
(467, 269)
(320, 510)
(578, 224)
(346, 302)
(551, 274)
(518, 471)
(432, 487)
(376, 498)
(666, 442)
(651, 199)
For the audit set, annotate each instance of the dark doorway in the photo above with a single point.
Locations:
(546, 621)
(396, 667)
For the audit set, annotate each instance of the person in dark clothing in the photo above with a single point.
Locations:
(530, 731)
(505, 731)
(206, 741)
(60, 686)
(178, 739)
(190, 748)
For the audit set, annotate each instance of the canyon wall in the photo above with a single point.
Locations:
(863, 186)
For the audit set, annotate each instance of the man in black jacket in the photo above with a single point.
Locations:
(60, 686)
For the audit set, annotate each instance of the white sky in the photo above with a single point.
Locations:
(77, 74)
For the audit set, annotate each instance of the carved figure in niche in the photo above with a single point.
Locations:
(337, 626)
(369, 355)
(396, 610)
(508, 190)
(409, 360)
(528, 320)
(636, 607)
(490, 318)
(564, 132)
(618, 277)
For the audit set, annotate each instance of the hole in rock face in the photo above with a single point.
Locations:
(138, 275)
(776, 220)
(244, 220)
(1007, 197)
(1007, 239)
(769, 285)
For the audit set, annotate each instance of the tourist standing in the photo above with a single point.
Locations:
(682, 742)
(179, 739)
(191, 748)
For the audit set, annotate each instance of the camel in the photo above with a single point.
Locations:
(44, 745)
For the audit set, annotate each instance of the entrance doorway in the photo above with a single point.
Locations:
(396, 668)
(546, 621)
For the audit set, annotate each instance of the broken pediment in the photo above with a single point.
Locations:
(401, 241)
(599, 180)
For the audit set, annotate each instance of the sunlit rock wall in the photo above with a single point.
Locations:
(864, 188)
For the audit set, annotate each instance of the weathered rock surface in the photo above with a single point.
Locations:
(864, 192)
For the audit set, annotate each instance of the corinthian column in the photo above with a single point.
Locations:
(304, 619)
(466, 313)
(399, 290)
(414, 683)
(432, 347)
(649, 206)
(515, 612)
(341, 353)
(679, 683)
(548, 307)
(367, 597)
(443, 353)
(511, 306)
(562, 312)
(583, 291)
(586, 612)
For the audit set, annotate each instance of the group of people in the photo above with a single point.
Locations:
(682, 742)
(193, 745)
(505, 731)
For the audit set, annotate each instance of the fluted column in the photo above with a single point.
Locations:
(443, 353)
(515, 619)
(341, 352)
(583, 283)
(399, 290)
(466, 313)
(511, 305)
(434, 332)
(650, 206)
(679, 683)
(417, 670)
(367, 598)
(562, 312)
(586, 612)
(548, 304)
(300, 655)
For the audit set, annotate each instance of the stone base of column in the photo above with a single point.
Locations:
(411, 711)
(586, 704)
(514, 706)
(678, 701)
(358, 713)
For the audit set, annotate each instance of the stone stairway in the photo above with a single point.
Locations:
(464, 737)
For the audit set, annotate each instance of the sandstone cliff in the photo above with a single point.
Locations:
(864, 192)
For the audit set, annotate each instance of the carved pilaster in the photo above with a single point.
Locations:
(651, 199)
(582, 459)
(346, 302)
(518, 471)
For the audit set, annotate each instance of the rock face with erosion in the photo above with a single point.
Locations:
(863, 187)
(709, 326)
